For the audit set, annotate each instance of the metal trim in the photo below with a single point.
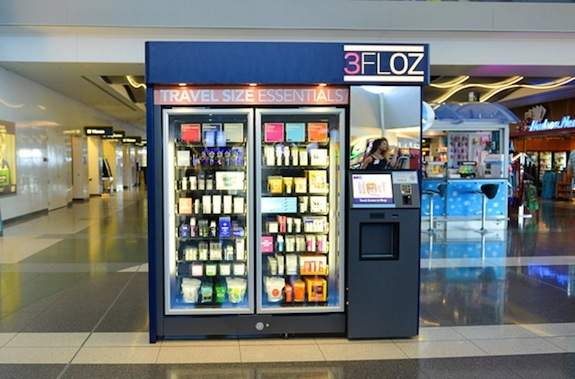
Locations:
(169, 204)
(340, 112)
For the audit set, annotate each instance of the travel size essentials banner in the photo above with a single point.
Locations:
(7, 158)
(317, 95)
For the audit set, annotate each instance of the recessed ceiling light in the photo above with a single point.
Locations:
(182, 84)
(253, 84)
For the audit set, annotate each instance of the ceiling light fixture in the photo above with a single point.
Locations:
(509, 81)
(450, 83)
(322, 84)
(253, 84)
(182, 84)
(543, 86)
(134, 83)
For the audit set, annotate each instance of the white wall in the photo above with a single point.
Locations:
(43, 152)
(80, 168)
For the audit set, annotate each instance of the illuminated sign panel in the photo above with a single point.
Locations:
(131, 139)
(385, 63)
(98, 131)
(317, 95)
(116, 134)
(566, 122)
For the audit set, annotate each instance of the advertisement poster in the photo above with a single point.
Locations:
(372, 190)
(7, 158)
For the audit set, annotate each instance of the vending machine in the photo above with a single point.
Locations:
(248, 171)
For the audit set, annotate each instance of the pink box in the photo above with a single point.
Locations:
(273, 132)
(267, 244)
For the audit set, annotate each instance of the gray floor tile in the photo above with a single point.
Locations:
(17, 371)
(79, 308)
(130, 313)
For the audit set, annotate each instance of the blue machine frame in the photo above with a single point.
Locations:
(265, 63)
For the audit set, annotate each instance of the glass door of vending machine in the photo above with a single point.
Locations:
(208, 163)
(300, 203)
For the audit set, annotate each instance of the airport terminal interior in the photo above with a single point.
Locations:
(227, 202)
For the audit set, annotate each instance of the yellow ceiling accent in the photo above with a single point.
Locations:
(450, 83)
(134, 83)
(550, 85)
(459, 88)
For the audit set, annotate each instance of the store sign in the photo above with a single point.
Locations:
(116, 134)
(317, 95)
(565, 122)
(385, 63)
(98, 131)
(131, 139)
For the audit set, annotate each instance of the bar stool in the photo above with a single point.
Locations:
(440, 191)
(487, 192)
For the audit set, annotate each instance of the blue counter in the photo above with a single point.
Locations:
(462, 202)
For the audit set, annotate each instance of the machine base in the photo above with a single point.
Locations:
(252, 325)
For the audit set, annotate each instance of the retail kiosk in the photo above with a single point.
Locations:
(253, 227)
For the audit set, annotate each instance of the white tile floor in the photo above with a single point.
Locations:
(435, 342)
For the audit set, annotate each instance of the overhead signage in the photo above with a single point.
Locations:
(316, 95)
(131, 139)
(116, 134)
(565, 122)
(385, 63)
(98, 131)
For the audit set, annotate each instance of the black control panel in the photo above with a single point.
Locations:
(383, 254)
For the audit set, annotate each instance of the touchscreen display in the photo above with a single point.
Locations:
(372, 190)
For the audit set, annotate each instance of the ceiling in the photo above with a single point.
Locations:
(118, 91)
(99, 86)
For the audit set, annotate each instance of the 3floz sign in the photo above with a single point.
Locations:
(385, 63)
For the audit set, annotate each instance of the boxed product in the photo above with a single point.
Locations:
(267, 244)
(299, 291)
(215, 251)
(291, 264)
(241, 249)
(211, 269)
(317, 181)
(238, 205)
(234, 132)
(313, 265)
(210, 133)
(230, 180)
(183, 158)
(239, 269)
(318, 204)
(316, 289)
(185, 206)
(216, 204)
(197, 269)
(300, 185)
(207, 204)
(225, 227)
(225, 269)
(317, 132)
(191, 133)
(295, 132)
(318, 157)
(275, 184)
(227, 204)
(315, 224)
(273, 132)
